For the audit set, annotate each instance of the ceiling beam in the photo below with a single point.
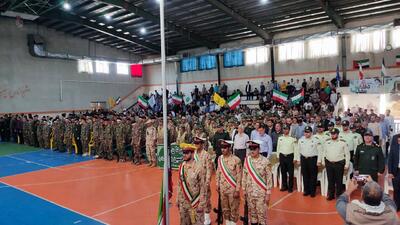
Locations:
(190, 35)
(60, 15)
(244, 21)
(332, 14)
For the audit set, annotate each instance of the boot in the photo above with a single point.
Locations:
(207, 219)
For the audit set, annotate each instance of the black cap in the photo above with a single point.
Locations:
(331, 124)
(345, 123)
(334, 131)
(320, 125)
(308, 129)
(352, 126)
(337, 118)
(368, 133)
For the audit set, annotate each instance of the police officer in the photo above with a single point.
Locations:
(337, 159)
(358, 138)
(190, 198)
(369, 159)
(229, 179)
(348, 136)
(310, 151)
(320, 135)
(328, 131)
(257, 183)
(287, 149)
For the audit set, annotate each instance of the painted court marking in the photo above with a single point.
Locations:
(31, 162)
(308, 213)
(37, 196)
(281, 200)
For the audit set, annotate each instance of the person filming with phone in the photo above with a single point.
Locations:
(374, 207)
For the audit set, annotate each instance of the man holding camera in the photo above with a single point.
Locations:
(368, 158)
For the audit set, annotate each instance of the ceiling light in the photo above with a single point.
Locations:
(264, 1)
(142, 30)
(107, 16)
(66, 5)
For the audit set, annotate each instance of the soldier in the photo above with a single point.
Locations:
(120, 140)
(347, 135)
(287, 153)
(151, 142)
(257, 183)
(68, 136)
(55, 130)
(39, 133)
(190, 198)
(337, 159)
(203, 158)
(369, 159)
(46, 133)
(61, 128)
(137, 130)
(85, 136)
(357, 137)
(108, 139)
(229, 179)
(97, 130)
(320, 135)
(310, 151)
(330, 126)
(25, 130)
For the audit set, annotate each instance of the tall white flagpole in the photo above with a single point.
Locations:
(164, 98)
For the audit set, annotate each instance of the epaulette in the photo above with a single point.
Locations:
(342, 140)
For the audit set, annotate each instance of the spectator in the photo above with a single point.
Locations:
(308, 107)
(275, 135)
(248, 90)
(394, 168)
(323, 84)
(269, 87)
(262, 89)
(239, 143)
(374, 126)
(304, 85)
(298, 85)
(196, 91)
(333, 97)
(374, 208)
(283, 86)
(317, 84)
(310, 85)
(211, 90)
(276, 86)
(216, 88)
(266, 146)
(255, 93)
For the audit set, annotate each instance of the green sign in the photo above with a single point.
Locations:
(176, 156)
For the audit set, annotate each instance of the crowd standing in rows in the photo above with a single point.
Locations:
(240, 145)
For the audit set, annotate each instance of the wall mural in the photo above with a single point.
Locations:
(9, 93)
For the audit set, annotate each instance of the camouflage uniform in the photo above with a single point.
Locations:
(59, 134)
(97, 129)
(151, 140)
(108, 139)
(68, 136)
(46, 134)
(137, 130)
(230, 204)
(204, 160)
(256, 196)
(25, 131)
(120, 139)
(39, 133)
(194, 179)
(85, 137)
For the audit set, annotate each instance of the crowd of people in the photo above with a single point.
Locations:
(240, 145)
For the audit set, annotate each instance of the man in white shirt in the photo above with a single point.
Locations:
(239, 143)
(297, 85)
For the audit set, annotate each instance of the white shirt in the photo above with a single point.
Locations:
(298, 86)
(240, 141)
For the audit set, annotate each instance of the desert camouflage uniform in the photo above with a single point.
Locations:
(120, 139)
(85, 137)
(151, 141)
(68, 137)
(204, 160)
(137, 130)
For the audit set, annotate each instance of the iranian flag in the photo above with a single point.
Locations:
(398, 60)
(234, 101)
(143, 102)
(177, 100)
(360, 72)
(298, 97)
(279, 96)
(364, 63)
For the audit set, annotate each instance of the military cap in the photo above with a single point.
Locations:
(187, 147)
(307, 129)
(254, 143)
(352, 126)
(331, 124)
(368, 133)
(320, 125)
(225, 143)
(345, 123)
(334, 131)
(337, 118)
(285, 127)
(198, 138)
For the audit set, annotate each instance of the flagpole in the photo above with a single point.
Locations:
(164, 86)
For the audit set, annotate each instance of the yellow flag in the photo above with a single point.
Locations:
(219, 100)
(111, 102)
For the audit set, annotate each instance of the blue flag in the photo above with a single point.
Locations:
(337, 75)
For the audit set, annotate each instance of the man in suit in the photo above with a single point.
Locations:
(248, 91)
(394, 168)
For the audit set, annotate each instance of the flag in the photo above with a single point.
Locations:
(383, 70)
(364, 63)
(152, 101)
(234, 101)
(279, 96)
(337, 75)
(398, 60)
(188, 99)
(118, 100)
(177, 100)
(161, 207)
(360, 72)
(219, 100)
(143, 102)
(111, 102)
(298, 97)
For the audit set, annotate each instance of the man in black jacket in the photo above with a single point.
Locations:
(215, 141)
(394, 168)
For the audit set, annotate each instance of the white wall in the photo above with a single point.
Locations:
(29, 84)
(237, 77)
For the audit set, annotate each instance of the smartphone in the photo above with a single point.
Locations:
(361, 179)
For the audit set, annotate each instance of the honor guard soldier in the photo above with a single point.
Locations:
(229, 178)
(190, 199)
(286, 149)
(257, 183)
(320, 134)
(330, 127)
(203, 158)
(337, 159)
(310, 151)
(368, 158)
(348, 136)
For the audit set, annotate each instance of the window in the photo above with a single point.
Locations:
(207, 62)
(102, 67)
(189, 64)
(122, 68)
(233, 58)
(291, 51)
(85, 66)
(396, 38)
(323, 47)
(256, 55)
(368, 42)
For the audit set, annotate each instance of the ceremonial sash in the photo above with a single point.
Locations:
(196, 157)
(194, 200)
(225, 171)
(254, 174)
